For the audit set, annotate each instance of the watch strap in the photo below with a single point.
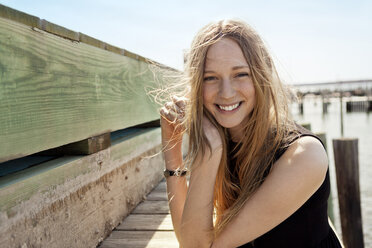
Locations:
(177, 172)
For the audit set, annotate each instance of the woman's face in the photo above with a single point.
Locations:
(228, 91)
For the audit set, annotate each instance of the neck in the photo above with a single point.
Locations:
(235, 133)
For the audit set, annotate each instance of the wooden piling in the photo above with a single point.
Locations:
(347, 174)
(323, 138)
(301, 107)
(324, 105)
(341, 116)
(348, 107)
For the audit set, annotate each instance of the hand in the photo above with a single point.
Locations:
(172, 118)
(212, 134)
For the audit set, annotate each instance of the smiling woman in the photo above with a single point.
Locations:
(228, 91)
(257, 179)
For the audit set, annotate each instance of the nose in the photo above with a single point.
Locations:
(226, 90)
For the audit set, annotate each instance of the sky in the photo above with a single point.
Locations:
(311, 41)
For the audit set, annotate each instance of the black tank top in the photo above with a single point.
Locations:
(308, 226)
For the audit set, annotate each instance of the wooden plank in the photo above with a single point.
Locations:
(54, 91)
(21, 186)
(140, 239)
(145, 222)
(76, 200)
(19, 16)
(152, 207)
(84, 147)
(159, 193)
(91, 41)
(157, 196)
(59, 30)
(162, 187)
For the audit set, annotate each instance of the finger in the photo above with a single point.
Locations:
(180, 101)
(179, 111)
(175, 109)
(167, 114)
(170, 106)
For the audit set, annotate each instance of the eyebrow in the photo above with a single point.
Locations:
(240, 67)
(233, 68)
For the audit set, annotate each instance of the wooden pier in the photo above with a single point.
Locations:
(149, 225)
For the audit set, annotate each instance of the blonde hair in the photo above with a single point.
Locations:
(267, 129)
(264, 133)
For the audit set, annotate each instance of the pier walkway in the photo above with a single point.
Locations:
(149, 224)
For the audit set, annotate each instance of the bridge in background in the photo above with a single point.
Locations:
(352, 88)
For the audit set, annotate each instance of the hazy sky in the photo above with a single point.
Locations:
(311, 41)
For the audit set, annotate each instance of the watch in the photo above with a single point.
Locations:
(178, 172)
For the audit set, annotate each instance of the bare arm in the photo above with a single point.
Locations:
(191, 207)
(176, 186)
(197, 218)
(172, 150)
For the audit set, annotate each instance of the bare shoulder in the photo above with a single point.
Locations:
(306, 154)
(294, 178)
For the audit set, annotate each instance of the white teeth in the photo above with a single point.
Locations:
(229, 108)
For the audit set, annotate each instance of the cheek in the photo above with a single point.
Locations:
(250, 92)
(207, 95)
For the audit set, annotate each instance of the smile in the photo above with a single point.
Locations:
(229, 107)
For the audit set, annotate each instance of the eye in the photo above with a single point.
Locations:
(242, 74)
(210, 78)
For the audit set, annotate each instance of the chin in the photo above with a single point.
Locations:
(228, 125)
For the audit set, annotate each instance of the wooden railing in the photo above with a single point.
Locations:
(65, 94)
(58, 86)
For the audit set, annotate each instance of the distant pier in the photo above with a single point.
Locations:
(357, 94)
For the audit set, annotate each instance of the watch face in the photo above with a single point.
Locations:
(166, 173)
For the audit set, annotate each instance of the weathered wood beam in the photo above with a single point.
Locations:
(55, 91)
(76, 201)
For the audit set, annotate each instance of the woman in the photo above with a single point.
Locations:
(257, 179)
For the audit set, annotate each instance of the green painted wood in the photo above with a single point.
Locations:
(114, 49)
(19, 16)
(21, 186)
(55, 91)
(59, 30)
(91, 41)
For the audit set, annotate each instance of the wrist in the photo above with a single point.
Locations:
(173, 158)
(176, 173)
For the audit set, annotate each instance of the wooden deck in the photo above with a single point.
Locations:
(149, 225)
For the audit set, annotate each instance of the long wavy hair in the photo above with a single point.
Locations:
(265, 131)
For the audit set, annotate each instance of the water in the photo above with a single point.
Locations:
(356, 125)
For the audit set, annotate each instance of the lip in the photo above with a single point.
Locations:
(228, 111)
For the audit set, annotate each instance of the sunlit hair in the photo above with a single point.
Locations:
(264, 132)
